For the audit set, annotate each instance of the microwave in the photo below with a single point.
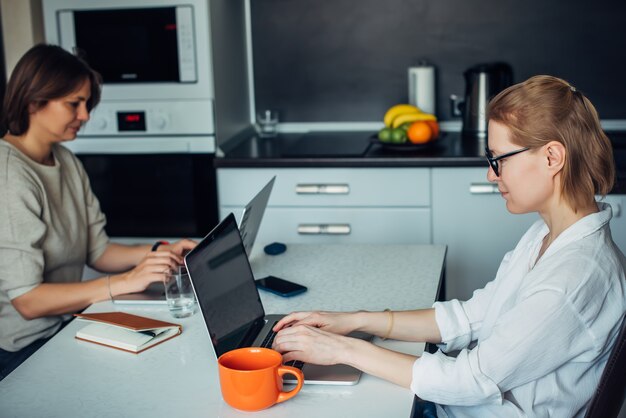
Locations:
(140, 45)
(154, 57)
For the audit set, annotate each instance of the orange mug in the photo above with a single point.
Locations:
(251, 378)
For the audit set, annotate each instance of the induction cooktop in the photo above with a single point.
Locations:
(329, 144)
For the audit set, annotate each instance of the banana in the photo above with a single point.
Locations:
(411, 117)
(399, 109)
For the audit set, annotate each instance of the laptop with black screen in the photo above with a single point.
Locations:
(249, 226)
(231, 305)
(253, 215)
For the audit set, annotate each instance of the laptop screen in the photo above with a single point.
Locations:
(253, 215)
(224, 286)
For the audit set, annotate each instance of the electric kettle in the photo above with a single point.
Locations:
(482, 82)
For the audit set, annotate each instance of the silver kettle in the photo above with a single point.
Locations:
(482, 82)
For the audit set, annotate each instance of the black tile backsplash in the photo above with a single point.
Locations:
(346, 60)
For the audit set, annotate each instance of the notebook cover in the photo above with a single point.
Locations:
(126, 320)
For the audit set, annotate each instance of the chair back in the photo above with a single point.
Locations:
(611, 391)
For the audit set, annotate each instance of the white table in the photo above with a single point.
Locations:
(71, 378)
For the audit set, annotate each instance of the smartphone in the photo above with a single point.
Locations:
(280, 286)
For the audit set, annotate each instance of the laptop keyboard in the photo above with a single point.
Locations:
(269, 340)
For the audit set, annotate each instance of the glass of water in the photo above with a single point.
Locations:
(267, 123)
(179, 293)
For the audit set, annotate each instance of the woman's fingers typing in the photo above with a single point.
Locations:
(336, 322)
(155, 266)
(181, 247)
(310, 344)
(290, 320)
(164, 256)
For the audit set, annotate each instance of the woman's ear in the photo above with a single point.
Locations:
(555, 154)
(33, 107)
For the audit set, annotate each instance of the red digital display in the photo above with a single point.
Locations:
(170, 26)
(131, 121)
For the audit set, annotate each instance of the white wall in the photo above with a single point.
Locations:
(22, 27)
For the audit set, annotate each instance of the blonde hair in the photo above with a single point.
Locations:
(544, 109)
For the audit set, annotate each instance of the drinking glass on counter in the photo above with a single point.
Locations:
(179, 293)
(267, 121)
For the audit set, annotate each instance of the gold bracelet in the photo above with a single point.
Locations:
(390, 326)
(109, 287)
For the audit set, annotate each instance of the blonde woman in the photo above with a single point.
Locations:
(535, 340)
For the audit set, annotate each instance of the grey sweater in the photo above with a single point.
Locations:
(50, 227)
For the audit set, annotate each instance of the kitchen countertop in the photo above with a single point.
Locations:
(357, 149)
(73, 378)
(353, 149)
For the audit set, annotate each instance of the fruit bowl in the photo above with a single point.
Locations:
(407, 128)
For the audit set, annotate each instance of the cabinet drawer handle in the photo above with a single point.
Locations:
(324, 229)
(483, 188)
(322, 189)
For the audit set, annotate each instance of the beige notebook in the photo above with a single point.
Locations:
(125, 331)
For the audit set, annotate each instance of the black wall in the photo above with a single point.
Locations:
(347, 60)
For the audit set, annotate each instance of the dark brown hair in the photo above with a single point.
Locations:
(546, 108)
(44, 73)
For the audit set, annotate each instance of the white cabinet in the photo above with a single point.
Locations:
(471, 218)
(457, 207)
(334, 205)
(618, 222)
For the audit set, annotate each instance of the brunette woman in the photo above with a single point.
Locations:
(50, 221)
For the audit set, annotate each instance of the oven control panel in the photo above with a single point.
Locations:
(150, 118)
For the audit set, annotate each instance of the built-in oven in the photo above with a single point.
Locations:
(154, 195)
(161, 187)
(149, 145)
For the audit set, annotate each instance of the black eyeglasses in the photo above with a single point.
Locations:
(493, 161)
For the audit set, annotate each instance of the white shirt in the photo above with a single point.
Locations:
(535, 340)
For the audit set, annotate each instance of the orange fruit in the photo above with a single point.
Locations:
(419, 132)
(434, 126)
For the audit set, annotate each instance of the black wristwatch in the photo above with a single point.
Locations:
(156, 245)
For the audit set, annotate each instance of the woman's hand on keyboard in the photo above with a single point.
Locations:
(312, 345)
(341, 323)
